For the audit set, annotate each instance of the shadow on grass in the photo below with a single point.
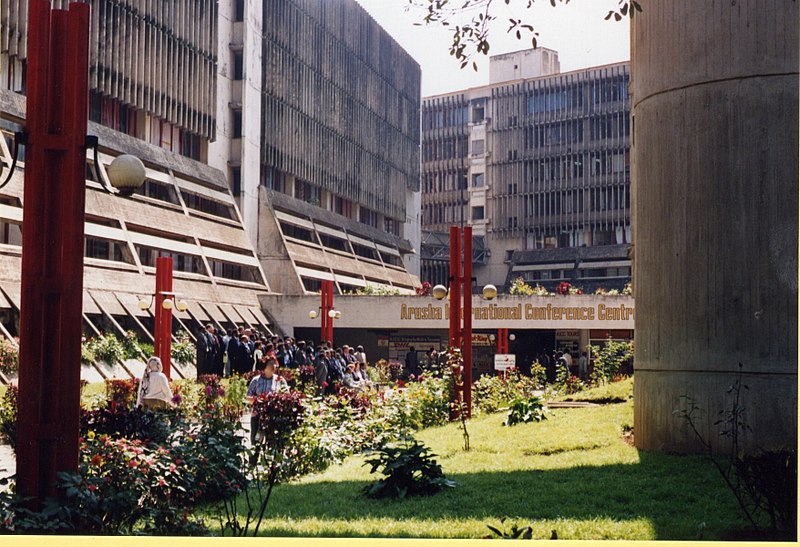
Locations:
(678, 495)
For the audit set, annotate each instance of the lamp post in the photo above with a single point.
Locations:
(327, 313)
(165, 301)
(460, 333)
(52, 243)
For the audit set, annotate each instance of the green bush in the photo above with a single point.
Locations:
(409, 470)
(491, 393)
(184, 350)
(106, 347)
(608, 359)
(9, 357)
(131, 347)
(524, 411)
(8, 415)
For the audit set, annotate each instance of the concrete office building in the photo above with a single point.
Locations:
(184, 210)
(537, 162)
(319, 135)
(287, 159)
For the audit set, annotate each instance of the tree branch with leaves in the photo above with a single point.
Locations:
(469, 22)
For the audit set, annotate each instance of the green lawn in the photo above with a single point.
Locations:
(572, 473)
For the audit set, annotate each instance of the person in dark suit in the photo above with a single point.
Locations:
(243, 360)
(412, 363)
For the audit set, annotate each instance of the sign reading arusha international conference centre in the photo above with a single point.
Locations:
(575, 311)
(588, 311)
(527, 312)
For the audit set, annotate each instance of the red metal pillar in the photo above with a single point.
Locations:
(162, 344)
(52, 243)
(455, 287)
(455, 310)
(326, 305)
(502, 341)
(466, 334)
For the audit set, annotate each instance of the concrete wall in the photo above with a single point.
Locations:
(715, 108)
(528, 63)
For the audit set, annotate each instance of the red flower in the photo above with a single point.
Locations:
(132, 463)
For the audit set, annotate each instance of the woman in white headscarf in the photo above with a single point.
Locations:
(154, 391)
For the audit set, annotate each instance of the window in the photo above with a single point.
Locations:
(208, 205)
(238, 10)
(238, 65)
(477, 147)
(509, 255)
(236, 272)
(180, 262)
(158, 190)
(477, 213)
(478, 114)
(105, 249)
(236, 181)
(477, 180)
(333, 242)
(297, 232)
(237, 124)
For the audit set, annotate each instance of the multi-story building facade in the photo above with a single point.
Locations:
(538, 163)
(280, 140)
(142, 54)
(319, 134)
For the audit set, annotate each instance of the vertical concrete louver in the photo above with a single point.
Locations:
(340, 105)
(158, 56)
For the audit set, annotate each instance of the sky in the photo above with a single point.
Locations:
(576, 30)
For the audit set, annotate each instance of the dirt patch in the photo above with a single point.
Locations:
(627, 437)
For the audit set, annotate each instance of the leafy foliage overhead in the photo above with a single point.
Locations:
(469, 22)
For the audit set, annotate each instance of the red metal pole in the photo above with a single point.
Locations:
(455, 287)
(162, 346)
(466, 335)
(455, 309)
(329, 301)
(52, 243)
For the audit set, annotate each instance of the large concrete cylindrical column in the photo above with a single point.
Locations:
(715, 159)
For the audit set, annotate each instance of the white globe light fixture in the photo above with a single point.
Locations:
(312, 314)
(332, 314)
(439, 292)
(167, 304)
(491, 337)
(512, 337)
(144, 304)
(490, 292)
(182, 305)
(126, 173)
(337, 315)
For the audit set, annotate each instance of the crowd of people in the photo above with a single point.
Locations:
(245, 350)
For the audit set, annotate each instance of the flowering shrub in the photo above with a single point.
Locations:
(538, 374)
(131, 347)
(386, 372)
(8, 415)
(106, 347)
(627, 289)
(280, 414)
(520, 288)
(9, 357)
(424, 289)
(121, 393)
(491, 393)
(565, 288)
(184, 350)
(120, 421)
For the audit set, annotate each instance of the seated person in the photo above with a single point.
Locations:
(154, 392)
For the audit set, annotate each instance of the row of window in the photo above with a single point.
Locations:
(572, 96)
(338, 244)
(117, 251)
(437, 117)
(166, 193)
(581, 273)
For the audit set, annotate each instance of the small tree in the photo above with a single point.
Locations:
(608, 359)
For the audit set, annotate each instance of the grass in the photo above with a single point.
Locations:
(571, 473)
(614, 392)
